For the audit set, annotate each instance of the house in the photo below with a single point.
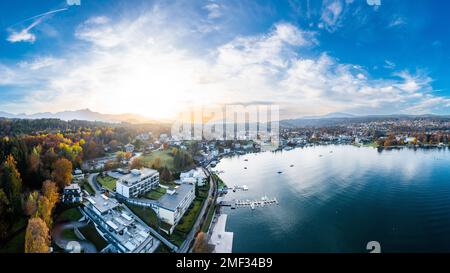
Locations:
(194, 176)
(129, 148)
(72, 194)
(137, 182)
(175, 203)
(77, 175)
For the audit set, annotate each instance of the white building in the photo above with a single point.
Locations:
(77, 175)
(137, 182)
(174, 204)
(194, 176)
(129, 148)
(72, 194)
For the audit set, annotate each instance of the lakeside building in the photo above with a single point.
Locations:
(173, 204)
(123, 230)
(72, 194)
(194, 176)
(137, 182)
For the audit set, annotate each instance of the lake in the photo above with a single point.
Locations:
(338, 198)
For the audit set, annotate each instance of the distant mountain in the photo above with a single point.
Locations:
(343, 118)
(83, 114)
(331, 115)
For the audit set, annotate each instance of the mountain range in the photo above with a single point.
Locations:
(83, 114)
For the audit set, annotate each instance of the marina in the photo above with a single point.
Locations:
(257, 203)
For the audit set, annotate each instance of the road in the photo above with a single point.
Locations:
(212, 195)
(92, 180)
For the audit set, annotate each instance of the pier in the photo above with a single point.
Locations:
(258, 203)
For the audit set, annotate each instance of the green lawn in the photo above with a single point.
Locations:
(156, 194)
(147, 215)
(186, 223)
(107, 182)
(86, 186)
(69, 215)
(69, 234)
(165, 156)
(220, 183)
(91, 234)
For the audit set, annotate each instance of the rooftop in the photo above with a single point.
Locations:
(102, 203)
(171, 201)
(136, 175)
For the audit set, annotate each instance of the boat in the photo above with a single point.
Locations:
(246, 159)
(280, 172)
(292, 165)
(252, 205)
(245, 168)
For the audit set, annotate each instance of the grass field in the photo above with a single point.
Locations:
(165, 157)
(107, 182)
(146, 214)
(68, 215)
(69, 234)
(156, 194)
(186, 223)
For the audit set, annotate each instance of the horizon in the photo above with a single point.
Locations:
(156, 58)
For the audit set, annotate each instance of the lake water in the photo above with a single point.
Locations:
(341, 200)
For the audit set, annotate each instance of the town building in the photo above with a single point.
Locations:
(72, 194)
(194, 176)
(137, 182)
(77, 175)
(123, 230)
(175, 203)
(129, 148)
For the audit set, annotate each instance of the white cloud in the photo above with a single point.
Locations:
(214, 10)
(331, 14)
(40, 62)
(25, 35)
(140, 65)
(397, 22)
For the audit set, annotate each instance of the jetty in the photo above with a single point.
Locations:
(238, 187)
(263, 202)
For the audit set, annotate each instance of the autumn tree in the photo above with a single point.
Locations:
(201, 244)
(45, 210)
(62, 172)
(5, 213)
(50, 191)
(128, 155)
(30, 205)
(34, 159)
(136, 163)
(37, 236)
(11, 181)
(156, 163)
(166, 175)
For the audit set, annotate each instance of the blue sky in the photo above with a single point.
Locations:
(155, 57)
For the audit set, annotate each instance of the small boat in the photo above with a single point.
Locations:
(252, 205)
(292, 165)
(320, 155)
(280, 172)
(245, 168)
(246, 159)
